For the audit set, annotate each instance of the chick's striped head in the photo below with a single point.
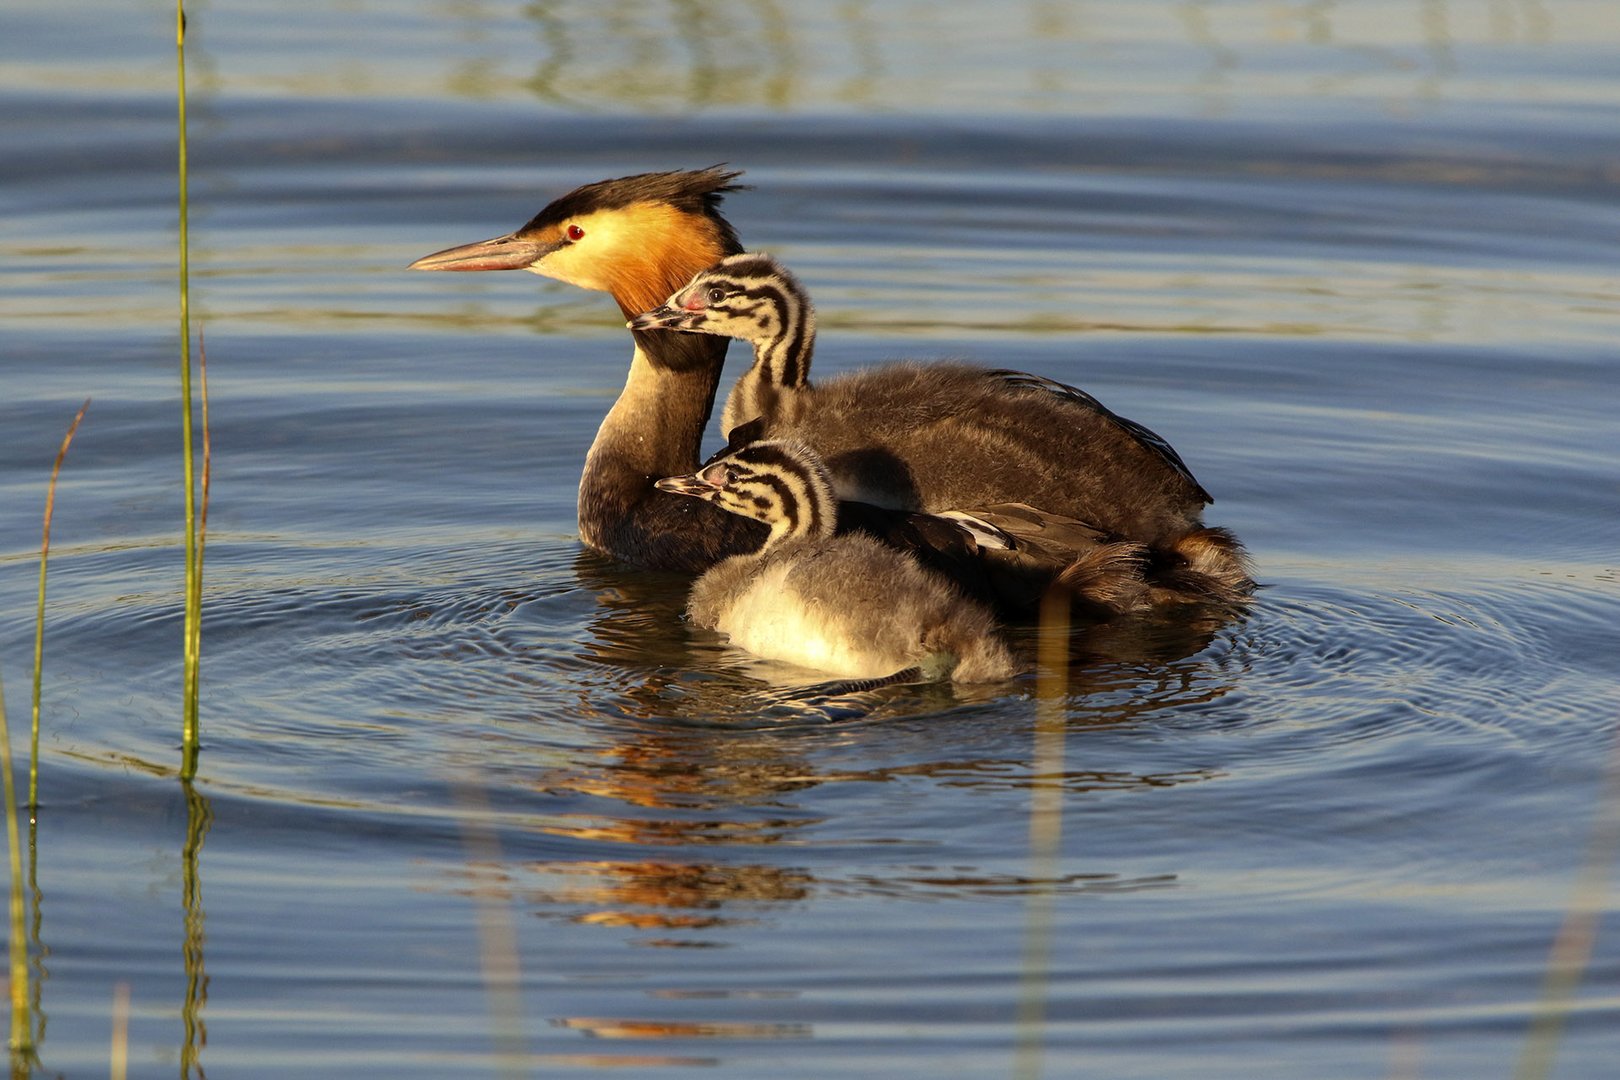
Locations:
(780, 483)
(750, 297)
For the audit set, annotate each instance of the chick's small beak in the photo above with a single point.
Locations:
(691, 484)
(509, 252)
(664, 317)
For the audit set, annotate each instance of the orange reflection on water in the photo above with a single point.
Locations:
(615, 1028)
(643, 895)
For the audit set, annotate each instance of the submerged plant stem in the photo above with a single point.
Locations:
(118, 1053)
(1577, 936)
(497, 935)
(39, 614)
(22, 1036)
(199, 819)
(1045, 832)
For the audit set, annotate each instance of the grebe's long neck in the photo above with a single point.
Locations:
(655, 429)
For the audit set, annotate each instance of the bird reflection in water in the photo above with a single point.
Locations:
(684, 762)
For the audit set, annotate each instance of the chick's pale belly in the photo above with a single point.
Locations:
(775, 620)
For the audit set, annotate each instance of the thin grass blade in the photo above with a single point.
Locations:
(39, 614)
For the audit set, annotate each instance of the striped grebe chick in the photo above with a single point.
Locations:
(845, 604)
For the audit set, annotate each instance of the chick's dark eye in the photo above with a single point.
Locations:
(575, 232)
(716, 295)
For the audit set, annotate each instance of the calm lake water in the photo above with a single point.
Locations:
(475, 802)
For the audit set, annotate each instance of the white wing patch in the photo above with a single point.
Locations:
(984, 534)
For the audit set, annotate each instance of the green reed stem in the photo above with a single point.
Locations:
(39, 614)
(193, 621)
(22, 1036)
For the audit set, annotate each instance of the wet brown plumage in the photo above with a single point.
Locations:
(1106, 508)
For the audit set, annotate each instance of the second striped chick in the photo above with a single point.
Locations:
(844, 604)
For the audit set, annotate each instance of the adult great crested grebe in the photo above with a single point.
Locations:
(1053, 450)
(848, 604)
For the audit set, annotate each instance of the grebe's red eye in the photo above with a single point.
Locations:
(575, 232)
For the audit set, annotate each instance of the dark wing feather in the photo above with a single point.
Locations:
(1143, 435)
(937, 542)
(1006, 556)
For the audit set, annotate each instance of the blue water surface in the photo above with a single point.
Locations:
(475, 801)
